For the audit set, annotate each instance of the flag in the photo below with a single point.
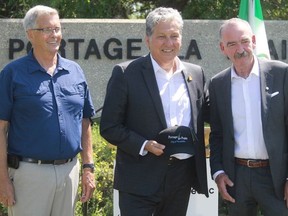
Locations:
(251, 11)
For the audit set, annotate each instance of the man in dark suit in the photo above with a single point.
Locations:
(249, 121)
(143, 98)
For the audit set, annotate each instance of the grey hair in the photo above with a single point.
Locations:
(31, 16)
(162, 14)
(233, 21)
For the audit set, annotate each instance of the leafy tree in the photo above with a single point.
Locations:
(191, 9)
(69, 8)
(216, 9)
(211, 9)
(275, 10)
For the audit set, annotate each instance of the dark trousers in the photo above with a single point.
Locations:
(254, 187)
(170, 200)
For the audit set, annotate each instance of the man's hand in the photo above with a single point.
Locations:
(88, 185)
(7, 197)
(222, 180)
(154, 147)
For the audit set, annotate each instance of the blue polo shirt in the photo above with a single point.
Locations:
(45, 113)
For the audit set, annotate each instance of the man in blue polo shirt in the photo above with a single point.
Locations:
(45, 111)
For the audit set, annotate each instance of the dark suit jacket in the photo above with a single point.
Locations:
(133, 113)
(274, 111)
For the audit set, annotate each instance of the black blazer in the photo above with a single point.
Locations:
(133, 113)
(274, 114)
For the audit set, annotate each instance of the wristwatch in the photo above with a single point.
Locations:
(90, 166)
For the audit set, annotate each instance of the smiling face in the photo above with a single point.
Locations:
(165, 42)
(43, 42)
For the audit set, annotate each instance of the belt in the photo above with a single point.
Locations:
(251, 163)
(54, 162)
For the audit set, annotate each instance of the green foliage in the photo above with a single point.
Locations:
(69, 8)
(3, 211)
(211, 9)
(276, 10)
(191, 9)
(225, 9)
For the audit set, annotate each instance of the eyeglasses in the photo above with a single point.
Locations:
(48, 31)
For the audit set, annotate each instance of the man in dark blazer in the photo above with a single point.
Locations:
(138, 106)
(249, 121)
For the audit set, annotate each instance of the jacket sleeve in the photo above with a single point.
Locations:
(112, 124)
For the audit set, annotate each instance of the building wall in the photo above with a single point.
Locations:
(98, 44)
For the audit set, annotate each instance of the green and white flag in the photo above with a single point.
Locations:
(251, 11)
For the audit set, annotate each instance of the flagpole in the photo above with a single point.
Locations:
(251, 13)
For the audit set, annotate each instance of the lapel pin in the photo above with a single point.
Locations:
(267, 88)
(189, 78)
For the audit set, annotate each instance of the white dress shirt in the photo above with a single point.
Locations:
(246, 112)
(174, 97)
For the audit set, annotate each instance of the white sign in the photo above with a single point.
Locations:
(199, 204)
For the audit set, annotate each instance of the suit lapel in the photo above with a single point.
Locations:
(151, 83)
(227, 99)
(266, 85)
(192, 93)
